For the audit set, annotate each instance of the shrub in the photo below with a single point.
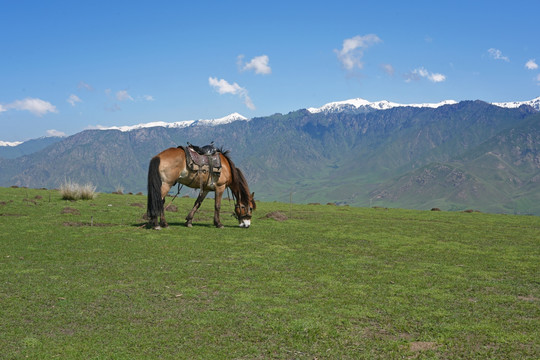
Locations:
(88, 191)
(119, 190)
(73, 191)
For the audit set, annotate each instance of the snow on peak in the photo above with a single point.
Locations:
(359, 104)
(179, 124)
(7, 143)
(534, 103)
(221, 121)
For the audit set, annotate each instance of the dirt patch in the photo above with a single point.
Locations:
(6, 202)
(139, 205)
(276, 215)
(528, 298)
(417, 346)
(171, 208)
(77, 224)
(69, 210)
(435, 209)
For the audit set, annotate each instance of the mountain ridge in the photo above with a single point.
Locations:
(356, 104)
(342, 157)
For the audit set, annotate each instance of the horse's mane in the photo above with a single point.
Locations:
(239, 185)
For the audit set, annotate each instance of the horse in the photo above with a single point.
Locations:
(170, 167)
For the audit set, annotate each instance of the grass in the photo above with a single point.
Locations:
(86, 280)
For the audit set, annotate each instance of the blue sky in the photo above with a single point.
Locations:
(66, 66)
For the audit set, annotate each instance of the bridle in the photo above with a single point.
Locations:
(242, 208)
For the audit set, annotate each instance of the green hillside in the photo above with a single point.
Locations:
(500, 175)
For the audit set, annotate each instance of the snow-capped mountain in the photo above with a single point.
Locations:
(7, 143)
(359, 105)
(534, 103)
(221, 121)
(180, 124)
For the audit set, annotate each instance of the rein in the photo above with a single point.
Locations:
(229, 197)
(177, 193)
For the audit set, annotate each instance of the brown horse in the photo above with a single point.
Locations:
(169, 167)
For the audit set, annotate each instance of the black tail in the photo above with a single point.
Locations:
(155, 203)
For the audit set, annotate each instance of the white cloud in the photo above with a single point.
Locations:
(531, 64)
(222, 86)
(352, 52)
(53, 132)
(73, 99)
(259, 64)
(387, 68)
(83, 85)
(36, 106)
(123, 95)
(2, 109)
(436, 77)
(421, 72)
(497, 55)
(148, 97)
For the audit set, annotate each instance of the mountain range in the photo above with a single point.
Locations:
(449, 155)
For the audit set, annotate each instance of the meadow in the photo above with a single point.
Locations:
(87, 280)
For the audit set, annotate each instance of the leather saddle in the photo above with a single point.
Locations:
(209, 149)
(204, 159)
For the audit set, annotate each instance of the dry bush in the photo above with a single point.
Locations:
(73, 191)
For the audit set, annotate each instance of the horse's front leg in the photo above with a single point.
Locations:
(217, 206)
(198, 203)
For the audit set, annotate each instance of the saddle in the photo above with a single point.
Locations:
(205, 150)
(204, 160)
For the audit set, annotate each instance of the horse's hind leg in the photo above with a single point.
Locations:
(198, 203)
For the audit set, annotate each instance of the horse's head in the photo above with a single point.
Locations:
(243, 211)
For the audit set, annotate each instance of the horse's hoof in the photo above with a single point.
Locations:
(157, 228)
(189, 225)
(220, 226)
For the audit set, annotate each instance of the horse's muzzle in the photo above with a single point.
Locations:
(245, 223)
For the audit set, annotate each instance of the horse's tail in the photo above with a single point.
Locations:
(155, 203)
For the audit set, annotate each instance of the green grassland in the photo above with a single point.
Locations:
(87, 280)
